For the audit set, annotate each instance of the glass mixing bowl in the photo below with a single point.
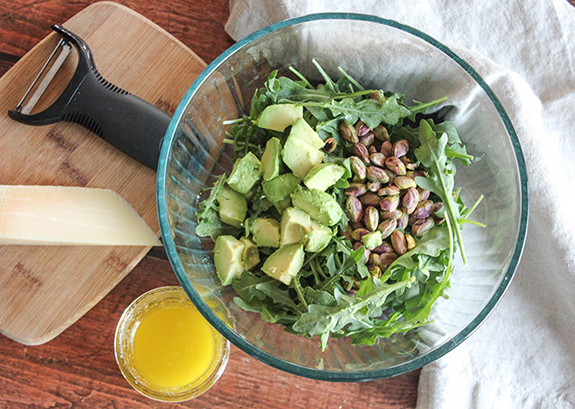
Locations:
(381, 54)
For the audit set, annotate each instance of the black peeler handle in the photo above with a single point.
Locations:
(127, 122)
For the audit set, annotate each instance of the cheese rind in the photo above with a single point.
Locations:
(62, 216)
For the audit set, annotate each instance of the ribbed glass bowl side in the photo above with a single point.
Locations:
(379, 53)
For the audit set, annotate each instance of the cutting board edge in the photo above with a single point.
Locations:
(145, 20)
(30, 339)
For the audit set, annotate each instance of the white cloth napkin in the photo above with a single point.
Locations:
(523, 356)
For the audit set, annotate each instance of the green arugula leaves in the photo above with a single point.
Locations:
(334, 294)
(209, 222)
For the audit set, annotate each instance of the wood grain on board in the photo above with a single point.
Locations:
(44, 289)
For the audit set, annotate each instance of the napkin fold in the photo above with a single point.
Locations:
(523, 356)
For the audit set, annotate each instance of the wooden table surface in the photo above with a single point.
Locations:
(78, 369)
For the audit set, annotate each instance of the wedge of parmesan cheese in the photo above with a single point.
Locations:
(75, 216)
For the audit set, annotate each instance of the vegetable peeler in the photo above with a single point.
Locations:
(125, 121)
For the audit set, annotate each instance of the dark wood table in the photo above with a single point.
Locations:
(78, 369)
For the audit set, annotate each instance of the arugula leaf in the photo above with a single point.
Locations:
(209, 222)
(210, 201)
(328, 81)
(418, 310)
(369, 111)
(212, 226)
(246, 286)
(316, 303)
(324, 319)
(454, 148)
(314, 296)
(382, 329)
(260, 204)
(289, 91)
(328, 129)
(445, 127)
(457, 151)
(278, 296)
(431, 153)
(254, 305)
(350, 79)
(432, 244)
(422, 107)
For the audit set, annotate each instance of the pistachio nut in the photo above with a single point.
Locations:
(411, 220)
(376, 95)
(347, 286)
(347, 232)
(409, 173)
(423, 194)
(373, 259)
(371, 218)
(380, 132)
(375, 271)
(404, 182)
(406, 161)
(420, 173)
(356, 189)
(357, 234)
(361, 128)
(410, 241)
(376, 174)
(400, 148)
(361, 151)
(411, 166)
(403, 221)
(374, 186)
(356, 225)
(390, 175)
(410, 200)
(395, 165)
(389, 203)
(423, 209)
(348, 132)
(387, 227)
(437, 207)
(350, 292)
(422, 226)
(366, 253)
(329, 145)
(385, 247)
(353, 208)
(377, 159)
(357, 167)
(367, 139)
(386, 259)
(370, 199)
(398, 242)
(389, 190)
(371, 149)
(394, 214)
(386, 149)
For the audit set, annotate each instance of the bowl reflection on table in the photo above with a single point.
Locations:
(379, 54)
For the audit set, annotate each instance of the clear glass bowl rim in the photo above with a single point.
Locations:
(269, 359)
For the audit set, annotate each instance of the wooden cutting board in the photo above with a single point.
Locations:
(43, 289)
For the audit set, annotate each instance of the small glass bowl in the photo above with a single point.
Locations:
(126, 329)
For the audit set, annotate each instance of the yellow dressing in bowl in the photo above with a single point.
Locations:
(165, 348)
(173, 346)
